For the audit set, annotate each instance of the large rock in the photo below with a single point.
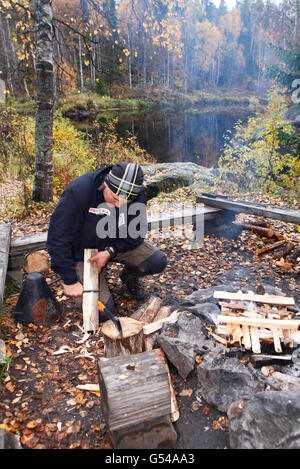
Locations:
(168, 177)
(204, 295)
(183, 341)
(270, 420)
(222, 380)
(293, 115)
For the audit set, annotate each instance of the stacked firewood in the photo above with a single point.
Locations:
(288, 253)
(249, 320)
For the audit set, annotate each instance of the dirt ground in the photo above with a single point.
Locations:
(40, 399)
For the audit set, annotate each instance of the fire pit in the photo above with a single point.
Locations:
(243, 348)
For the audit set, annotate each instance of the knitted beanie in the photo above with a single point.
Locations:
(125, 180)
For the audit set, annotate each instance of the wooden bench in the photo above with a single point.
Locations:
(24, 244)
(5, 235)
(12, 252)
(241, 206)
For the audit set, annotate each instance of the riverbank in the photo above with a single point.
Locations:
(90, 103)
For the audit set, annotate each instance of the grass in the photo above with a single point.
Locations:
(84, 100)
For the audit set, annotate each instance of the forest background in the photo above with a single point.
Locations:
(112, 47)
(97, 54)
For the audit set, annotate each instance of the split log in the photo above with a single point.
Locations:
(292, 324)
(90, 282)
(246, 337)
(140, 311)
(37, 261)
(268, 299)
(262, 223)
(163, 313)
(276, 339)
(152, 309)
(259, 230)
(136, 401)
(255, 343)
(150, 339)
(265, 335)
(270, 247)
(174, 405)
(133, 337)
(264, 360)
(285, 251)
(234, 333)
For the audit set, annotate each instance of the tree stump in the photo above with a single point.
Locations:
(37, 261)
(133, 337)
(136, 401)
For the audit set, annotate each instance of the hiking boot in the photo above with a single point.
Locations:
(130, 279)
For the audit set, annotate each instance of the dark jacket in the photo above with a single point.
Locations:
(73, 225)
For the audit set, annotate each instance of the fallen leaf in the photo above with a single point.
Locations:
(32, 424)
(9, 386)
(94, 388)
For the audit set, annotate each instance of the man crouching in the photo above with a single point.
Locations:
(106, 210)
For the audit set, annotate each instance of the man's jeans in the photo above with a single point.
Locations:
(146, 259)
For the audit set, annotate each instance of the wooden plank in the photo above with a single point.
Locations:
(246, 337)
(269, 299)
(21, 245)
(89, 301)
(241, 206)
(276, 338)
(264, 334)
(5, 235)
(255, 343)
(257, 322)
(180, 217)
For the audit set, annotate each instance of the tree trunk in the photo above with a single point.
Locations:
(129, 59)
(42, 188)
(6, 55)
(80, 63)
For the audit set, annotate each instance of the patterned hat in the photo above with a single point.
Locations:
(125, 180)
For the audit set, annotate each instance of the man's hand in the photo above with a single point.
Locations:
(75, 290)
(101, 258)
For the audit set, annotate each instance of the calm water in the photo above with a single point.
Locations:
(172, 136)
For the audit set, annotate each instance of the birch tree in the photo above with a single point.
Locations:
(43, 179)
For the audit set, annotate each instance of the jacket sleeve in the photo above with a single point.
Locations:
(136, 224)
(65, 224)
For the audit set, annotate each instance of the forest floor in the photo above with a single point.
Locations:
(40, 395)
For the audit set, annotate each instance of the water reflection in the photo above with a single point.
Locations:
(172, 136)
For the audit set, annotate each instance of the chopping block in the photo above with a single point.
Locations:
(136, 401)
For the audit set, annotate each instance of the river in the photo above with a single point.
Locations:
(178, 135)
